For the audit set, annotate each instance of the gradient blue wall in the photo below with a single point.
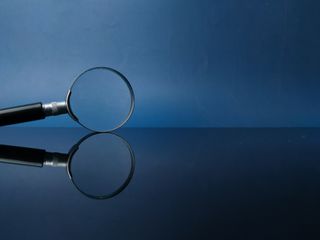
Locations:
(191, 62)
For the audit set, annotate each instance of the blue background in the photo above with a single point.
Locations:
(202, 63)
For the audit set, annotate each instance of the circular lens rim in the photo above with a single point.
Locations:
(75, 148)
(126, 81)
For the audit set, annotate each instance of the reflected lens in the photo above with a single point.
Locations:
(101, 99)
(102, 166)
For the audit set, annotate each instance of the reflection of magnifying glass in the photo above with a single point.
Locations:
(100, 99)
(100, 165)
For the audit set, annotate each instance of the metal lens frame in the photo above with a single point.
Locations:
(123, 78)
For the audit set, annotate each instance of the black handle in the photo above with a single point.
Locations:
(19, 114)
(22, 155)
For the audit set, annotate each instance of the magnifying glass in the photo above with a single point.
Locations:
(100, 166)
(100, 99)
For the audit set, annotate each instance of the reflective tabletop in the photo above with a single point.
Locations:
(65, 183)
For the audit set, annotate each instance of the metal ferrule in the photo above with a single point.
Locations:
(56, 159)
(55, 108)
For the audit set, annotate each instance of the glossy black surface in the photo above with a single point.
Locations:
(187, 184)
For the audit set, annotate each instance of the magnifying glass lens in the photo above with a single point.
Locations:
(101, 99)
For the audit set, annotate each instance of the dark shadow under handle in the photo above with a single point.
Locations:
(19, 114)
(22, 155)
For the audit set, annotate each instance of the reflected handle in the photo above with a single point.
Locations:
(19, 114)
(22, 155)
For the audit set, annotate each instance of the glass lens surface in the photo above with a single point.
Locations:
(101, 99)
(102, 165)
